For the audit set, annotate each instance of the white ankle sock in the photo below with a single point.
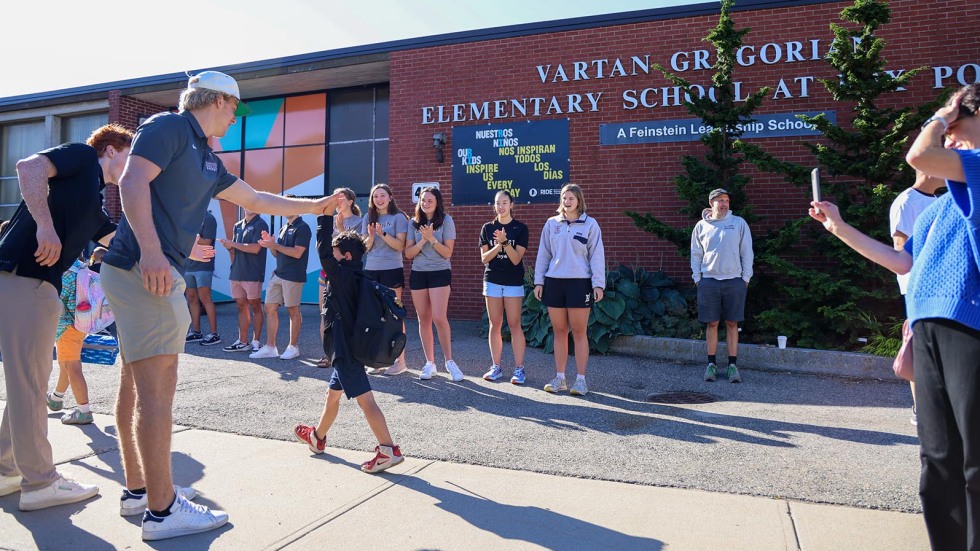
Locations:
(58, 395)
(85, 408)
(580, 378)
(561, 375)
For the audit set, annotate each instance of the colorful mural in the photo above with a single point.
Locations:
(280, 148)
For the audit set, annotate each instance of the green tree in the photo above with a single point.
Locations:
(720, 109)
(823, 291)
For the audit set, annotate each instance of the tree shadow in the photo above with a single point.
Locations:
(621, 416)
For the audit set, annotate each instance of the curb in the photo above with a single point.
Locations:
(766, 358)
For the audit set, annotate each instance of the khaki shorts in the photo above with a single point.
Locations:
(280, 291)
(148, 326)
(249, 290)
(69, 345)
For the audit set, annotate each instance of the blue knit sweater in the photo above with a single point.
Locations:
(945, 248)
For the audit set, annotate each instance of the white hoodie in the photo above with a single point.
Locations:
(721, 249)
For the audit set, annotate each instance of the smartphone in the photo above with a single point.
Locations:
(815, 182)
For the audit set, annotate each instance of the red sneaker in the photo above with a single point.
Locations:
(307, 435)
(386, 457)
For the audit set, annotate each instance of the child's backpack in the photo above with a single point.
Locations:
(92, 313)
(377, 337)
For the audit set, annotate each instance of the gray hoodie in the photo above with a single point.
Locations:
(721, 249)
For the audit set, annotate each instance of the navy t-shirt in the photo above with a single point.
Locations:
(191, 175)
(209, 230)
(248, 266)
(297, 234)
(75, 202)
(501, 270)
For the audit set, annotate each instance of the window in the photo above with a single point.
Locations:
(79, 128)
(17, 141)
(358, 147)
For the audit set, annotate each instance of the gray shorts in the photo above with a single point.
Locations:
(148, 325)
(198, 279)
(721, 299)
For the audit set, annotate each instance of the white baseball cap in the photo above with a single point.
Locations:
(220, 82)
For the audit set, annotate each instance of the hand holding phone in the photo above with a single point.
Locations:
(815, 182)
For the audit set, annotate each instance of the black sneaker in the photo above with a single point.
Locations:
(238, 346)
(210, 338)
(193, 336)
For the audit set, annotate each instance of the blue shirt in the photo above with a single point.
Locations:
(945, 247)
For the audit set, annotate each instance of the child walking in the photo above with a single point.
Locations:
(341, 260)
(68, 342)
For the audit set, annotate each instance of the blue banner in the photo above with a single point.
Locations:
(528, 159)
(689, 130)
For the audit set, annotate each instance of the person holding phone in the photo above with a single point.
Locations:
(942, 258)
(721, 265)
(569, 273)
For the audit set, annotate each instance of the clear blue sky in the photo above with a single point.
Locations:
(50, 45)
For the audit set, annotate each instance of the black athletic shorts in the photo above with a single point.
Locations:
(567, 293)
(429, 280)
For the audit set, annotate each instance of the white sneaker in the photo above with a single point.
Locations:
(455, 373)
(131, 504)
(428, 371)
(290, 353)
(264, 352)
(185, 518)
(9, 484)
(59, 492)
(397, 368)
(256, 345)
(375, 370)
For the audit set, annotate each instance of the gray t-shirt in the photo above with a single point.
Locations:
(352, 222)
(381, 256)
(248, 266)
(209, 230)
(429, 260)
(297, 234)
(191, 174)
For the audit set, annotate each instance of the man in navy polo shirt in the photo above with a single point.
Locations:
(246, 276)
(171, 176)
(61, 212)
(292, 252)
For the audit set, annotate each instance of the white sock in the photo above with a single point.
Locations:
(580, 378)
(85, 408)
(57, 395)
(561, 374)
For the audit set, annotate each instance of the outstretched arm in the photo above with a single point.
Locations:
(899, 262)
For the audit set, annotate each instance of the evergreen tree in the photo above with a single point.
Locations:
(723, 113)
(824, 294)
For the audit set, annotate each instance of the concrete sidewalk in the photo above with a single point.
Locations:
(280, 496)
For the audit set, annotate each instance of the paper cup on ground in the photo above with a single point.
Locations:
(782, 341)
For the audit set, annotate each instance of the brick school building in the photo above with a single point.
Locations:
(525, 108)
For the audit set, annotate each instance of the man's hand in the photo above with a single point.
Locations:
(327, 205)
(202, 253)
(226, 243)
(157, 278)
(48, 246)
(266, 240)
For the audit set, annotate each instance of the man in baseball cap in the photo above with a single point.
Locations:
(220, 82)
(721, 265)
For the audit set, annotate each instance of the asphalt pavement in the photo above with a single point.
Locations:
(784, 460)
